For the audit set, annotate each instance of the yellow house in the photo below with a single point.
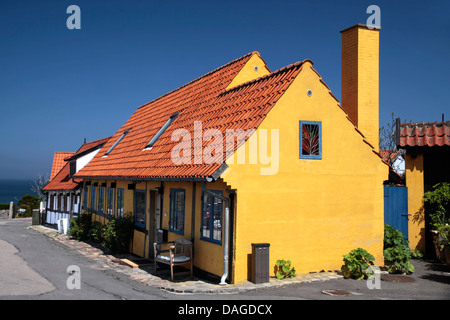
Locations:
(427, 159)
(244, 155)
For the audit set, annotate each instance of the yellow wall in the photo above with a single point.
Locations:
(312, 212)
(415, 184)
(249, 72)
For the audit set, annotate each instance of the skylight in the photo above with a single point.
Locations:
(116, 143)
(161, 131)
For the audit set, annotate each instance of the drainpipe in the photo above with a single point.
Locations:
(225, 245)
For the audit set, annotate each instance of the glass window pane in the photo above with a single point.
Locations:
(176, 217)
(120, 202)
(140, 208)
(212, 212)
(93, 197)
(100, 198)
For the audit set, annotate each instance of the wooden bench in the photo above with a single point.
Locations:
(176, 253)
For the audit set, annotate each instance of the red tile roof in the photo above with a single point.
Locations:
(204, 99)
(389, 155)
(61, 165)
(422, 134)
(87, 147)
(58, 162)
(62, 181)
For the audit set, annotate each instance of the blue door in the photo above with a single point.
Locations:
(396, 208)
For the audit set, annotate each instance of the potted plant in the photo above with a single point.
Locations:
(442, 242)
(437, 205)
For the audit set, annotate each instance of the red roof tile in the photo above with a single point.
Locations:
(60, 179)
(204, 99)
(58, 162)
(422, 134)
(87, 147)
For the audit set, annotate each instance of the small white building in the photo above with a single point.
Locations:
(63, 192)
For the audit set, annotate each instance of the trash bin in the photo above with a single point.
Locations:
(65, 225)
(59, 225)
(260, 263)
(36, 217)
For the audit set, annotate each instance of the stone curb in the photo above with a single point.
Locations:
(144, 275)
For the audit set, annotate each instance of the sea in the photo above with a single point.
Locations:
(14, 190)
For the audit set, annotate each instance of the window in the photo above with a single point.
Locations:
(73, 168)
(161, 131)
(101, 198)
(176, 218)
(120, 202)
(116, 143)
(67, 203)
(60, 200)
(52, 202)
(85, 197)
(211, 225)
(310, 140)
(110, 201)
(93, 197)
(139, 208)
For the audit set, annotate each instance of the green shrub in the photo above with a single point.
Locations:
(443, 239)
(396, 251)
(356, 263)
(284, 270)
(117, 234)
(416, 254)
(81, 226)
(437, 203)
(95, 232)
(4, 206)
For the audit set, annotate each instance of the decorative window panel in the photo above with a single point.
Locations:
(310, 138)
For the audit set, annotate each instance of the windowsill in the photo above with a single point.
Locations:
(211, 241)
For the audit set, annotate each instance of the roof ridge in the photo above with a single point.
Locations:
(97, 140)
(264, 77)
(423, 123)
(201, 77)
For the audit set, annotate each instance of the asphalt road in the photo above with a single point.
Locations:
(35, 267)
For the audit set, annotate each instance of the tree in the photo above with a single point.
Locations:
(39, 183)
(388, 143)
(29, 200)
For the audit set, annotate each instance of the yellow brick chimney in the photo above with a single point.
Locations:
(360, 79)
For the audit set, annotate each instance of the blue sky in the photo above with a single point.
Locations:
(59, 86)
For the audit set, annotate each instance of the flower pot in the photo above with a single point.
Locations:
(447, 255)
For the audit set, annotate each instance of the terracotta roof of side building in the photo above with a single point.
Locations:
(421, 134)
